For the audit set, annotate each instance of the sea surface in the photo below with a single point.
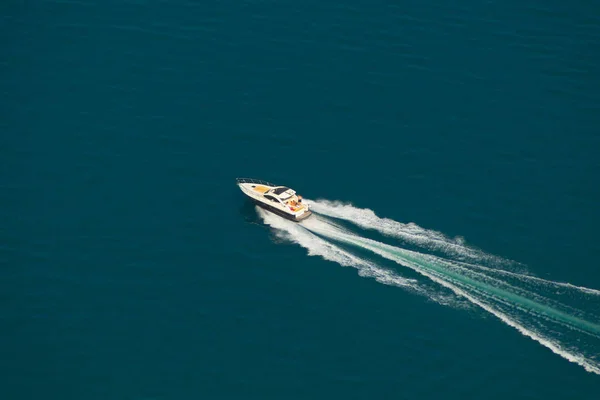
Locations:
(450, 152)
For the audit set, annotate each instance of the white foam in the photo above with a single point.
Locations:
(410, 232)
(316, 246)
(490, 302)
(320, 225)
(430, 239)
(376, 247)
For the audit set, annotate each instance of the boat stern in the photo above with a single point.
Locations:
(303, 216)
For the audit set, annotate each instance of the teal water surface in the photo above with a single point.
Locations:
(134, 268)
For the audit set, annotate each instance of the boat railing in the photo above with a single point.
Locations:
(255, 181)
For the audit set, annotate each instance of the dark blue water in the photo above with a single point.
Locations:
(132, 267)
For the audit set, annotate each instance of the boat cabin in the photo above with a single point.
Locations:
(282, 192)
(284, 196)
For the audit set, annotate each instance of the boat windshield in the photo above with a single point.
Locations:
(281, 189)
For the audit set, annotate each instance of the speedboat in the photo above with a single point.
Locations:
(280, 200)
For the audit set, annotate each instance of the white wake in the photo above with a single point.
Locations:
(516, 299)
(410, 232)
(431, 240)
(316, 246)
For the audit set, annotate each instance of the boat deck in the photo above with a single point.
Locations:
(260, 189)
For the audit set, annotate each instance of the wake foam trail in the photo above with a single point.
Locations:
(316, 246)
(432, 240)
(411, 233)
(519, 309)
